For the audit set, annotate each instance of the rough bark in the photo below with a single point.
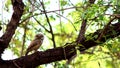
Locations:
(57, 54)
(18, 8)
(50, 55)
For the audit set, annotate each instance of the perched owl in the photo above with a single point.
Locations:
(35, 44)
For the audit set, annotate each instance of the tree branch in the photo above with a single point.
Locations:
(105, 29)
(24, 36)
(51, 31)
(41, 24)
(38, 58)
(81, 36)
(50, 55)
(18, 8)
(57, 54)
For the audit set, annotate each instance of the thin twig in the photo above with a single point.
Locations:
(60, 16)
(41, 24)
(105, 29)
(51, 31)
(72, 3)
(16, 64)
(68, 20)
(24, 36)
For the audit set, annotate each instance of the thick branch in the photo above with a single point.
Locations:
(38, 58)
(81, 36)
(18, 7)
(51, 55)
(105, 29)
(60, 53)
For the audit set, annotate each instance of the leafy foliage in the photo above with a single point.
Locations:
(65, 19)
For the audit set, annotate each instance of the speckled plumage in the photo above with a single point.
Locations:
(35, 44)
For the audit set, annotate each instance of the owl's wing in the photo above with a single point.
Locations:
(32, 44)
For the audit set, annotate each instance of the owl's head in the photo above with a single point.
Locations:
(39, 36)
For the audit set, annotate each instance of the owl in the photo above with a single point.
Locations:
(35, 44)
